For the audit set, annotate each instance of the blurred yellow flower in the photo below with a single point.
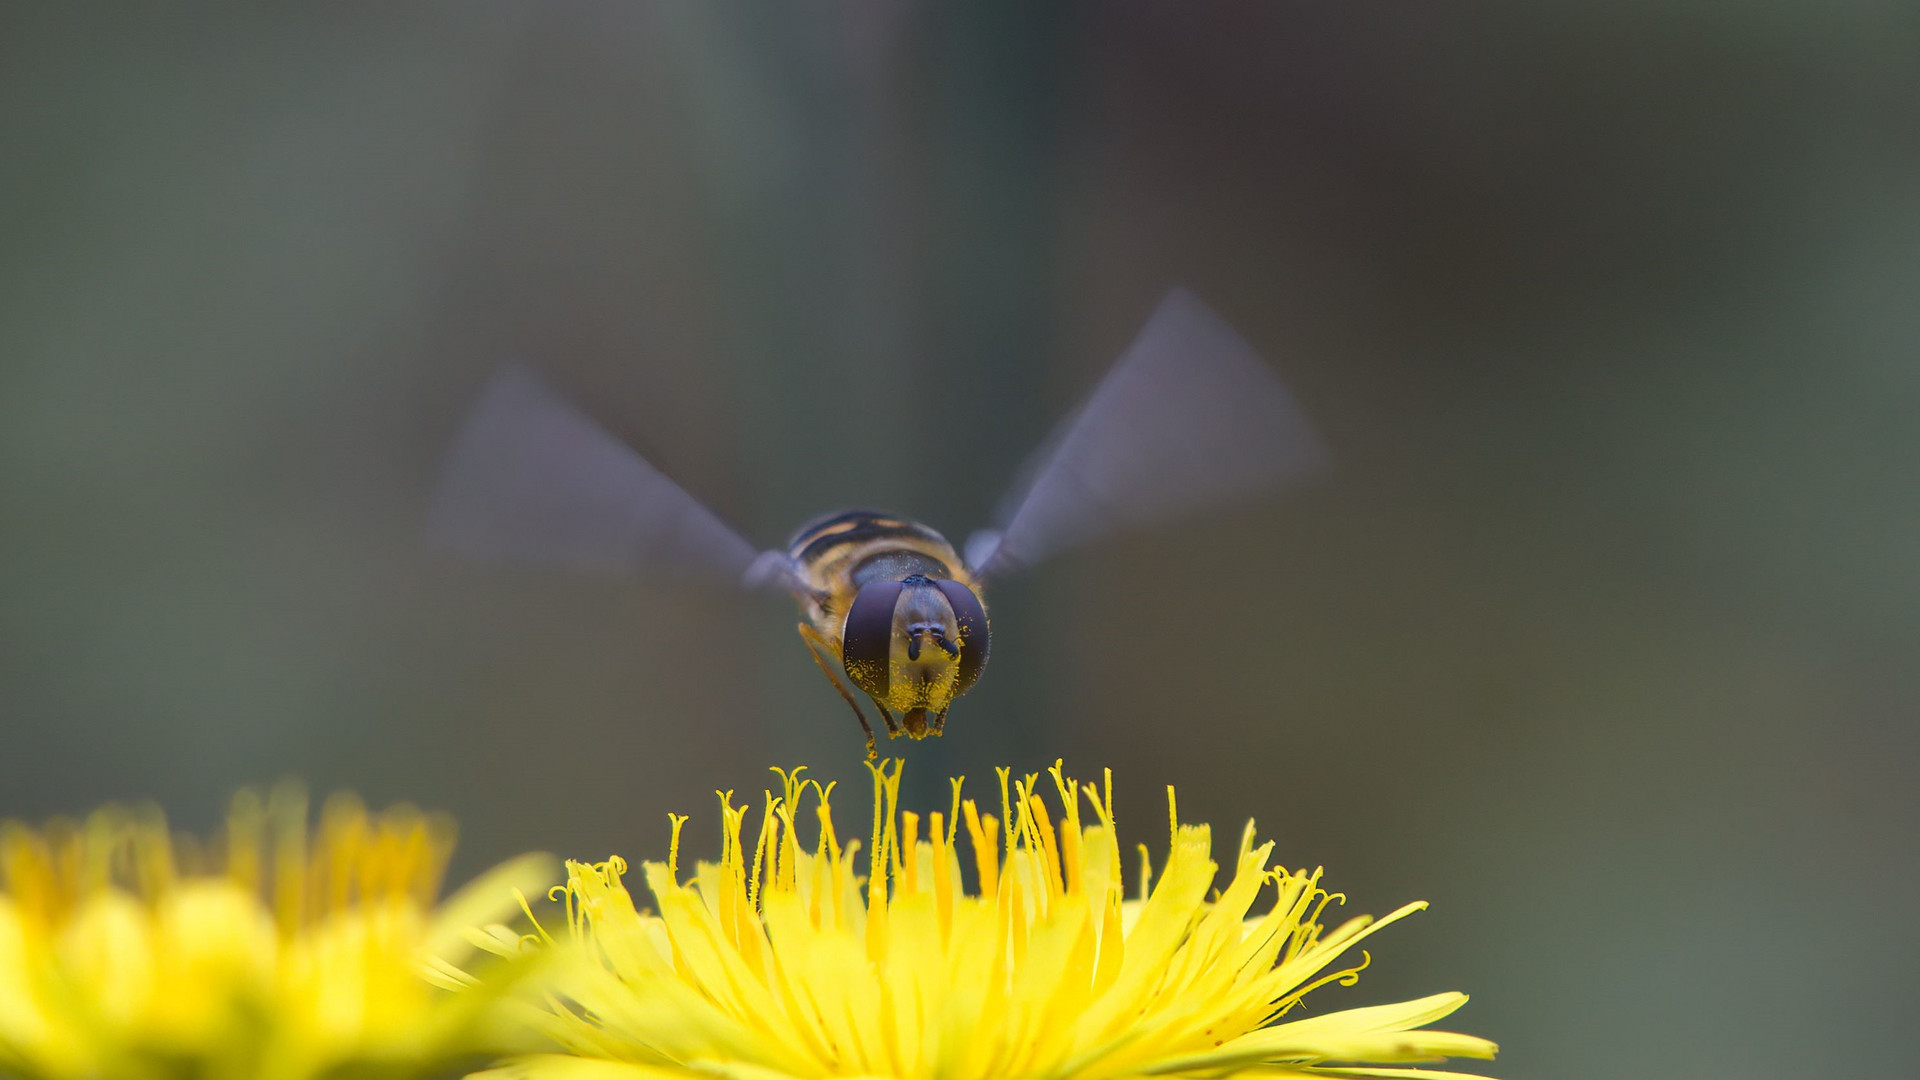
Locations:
(271, 953)
(782, 961)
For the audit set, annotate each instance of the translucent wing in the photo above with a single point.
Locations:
(1188, 418)
(533, 479)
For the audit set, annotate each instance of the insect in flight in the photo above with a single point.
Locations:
(1188, 417)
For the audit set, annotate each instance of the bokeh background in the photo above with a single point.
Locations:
(1601, 636)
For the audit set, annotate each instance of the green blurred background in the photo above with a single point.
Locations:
(1602, 635)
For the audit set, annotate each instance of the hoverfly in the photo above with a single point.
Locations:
(1188, 417)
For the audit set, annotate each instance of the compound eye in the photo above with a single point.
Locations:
(976, 637)
(866, 642)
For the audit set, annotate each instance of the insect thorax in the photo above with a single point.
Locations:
(837, 554)
(895, 565)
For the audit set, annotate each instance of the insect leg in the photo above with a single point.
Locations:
(939, 721)
(816, 645)
(893, 726)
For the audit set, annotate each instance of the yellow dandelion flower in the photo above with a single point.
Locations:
(783, 960)
(272, 953)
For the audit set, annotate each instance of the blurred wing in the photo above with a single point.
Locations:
(532, 479)
(1188, 418)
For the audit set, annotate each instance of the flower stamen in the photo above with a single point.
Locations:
(787, 964)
